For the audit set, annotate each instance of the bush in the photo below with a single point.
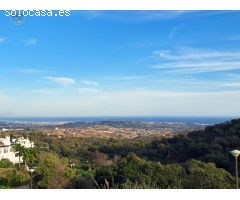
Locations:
(13, 178)
(202, 175)
(5, 163)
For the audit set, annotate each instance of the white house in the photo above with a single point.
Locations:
(24, 142)
(7, 150)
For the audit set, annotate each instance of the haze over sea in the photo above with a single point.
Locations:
(176, 119)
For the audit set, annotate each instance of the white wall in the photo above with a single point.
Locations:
(6, 153)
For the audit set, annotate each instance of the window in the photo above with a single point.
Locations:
(5, 149)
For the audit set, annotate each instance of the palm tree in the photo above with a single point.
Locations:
(29, 156)
(18, 148)
(26, 155)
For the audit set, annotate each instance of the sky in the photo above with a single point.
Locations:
(121, 63)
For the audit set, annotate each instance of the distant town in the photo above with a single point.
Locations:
(104, 129)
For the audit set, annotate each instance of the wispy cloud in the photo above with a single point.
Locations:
(61, 80)
(189, 60)
(186, 53)
(93, 83)
(233, 84)
(233, 76)
(174, 31)
(43, 91)
(31, 71)
(2, 39)
(127, 78)
(30, 41)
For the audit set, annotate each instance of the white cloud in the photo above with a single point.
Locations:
(232, 75)
(43, 91)
(174, 31)
(2, 39)
(162, 53)
(131, 102)
(133, 77)
(186, 53)
(199, 67)
(35, 71)
(189, 60)
(93, 83)
(31, 71)
(30, 41)
(60, 80)
(233, 84)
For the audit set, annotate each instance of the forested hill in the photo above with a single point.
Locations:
(210, 145)
(184, 161)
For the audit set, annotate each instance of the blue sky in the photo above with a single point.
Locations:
(121, 63)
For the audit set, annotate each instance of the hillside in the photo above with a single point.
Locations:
(210, 145)
(199, 159)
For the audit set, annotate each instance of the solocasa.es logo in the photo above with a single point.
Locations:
(16, 16)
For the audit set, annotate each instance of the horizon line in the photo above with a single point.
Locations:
(220, 116)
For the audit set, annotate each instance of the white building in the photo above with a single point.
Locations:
(7, 150)
(24, 142)
(2, 130)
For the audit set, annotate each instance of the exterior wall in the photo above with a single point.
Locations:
(7, 152)
(6, 140)
(25, 142)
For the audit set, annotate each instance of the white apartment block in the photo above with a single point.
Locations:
(7, 150)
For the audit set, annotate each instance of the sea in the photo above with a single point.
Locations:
(194, 119)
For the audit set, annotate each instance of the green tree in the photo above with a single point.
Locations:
(202, 175)
(18, 148)
(5, 163)
(29, 156)
(168, 176)
(10, 177)
(135, 169)
(52, 172)
(84, 180)
(105, 177)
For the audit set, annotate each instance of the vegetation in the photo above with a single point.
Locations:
(11, 178)
(5, 163)
(199, 159)
(52, 172)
